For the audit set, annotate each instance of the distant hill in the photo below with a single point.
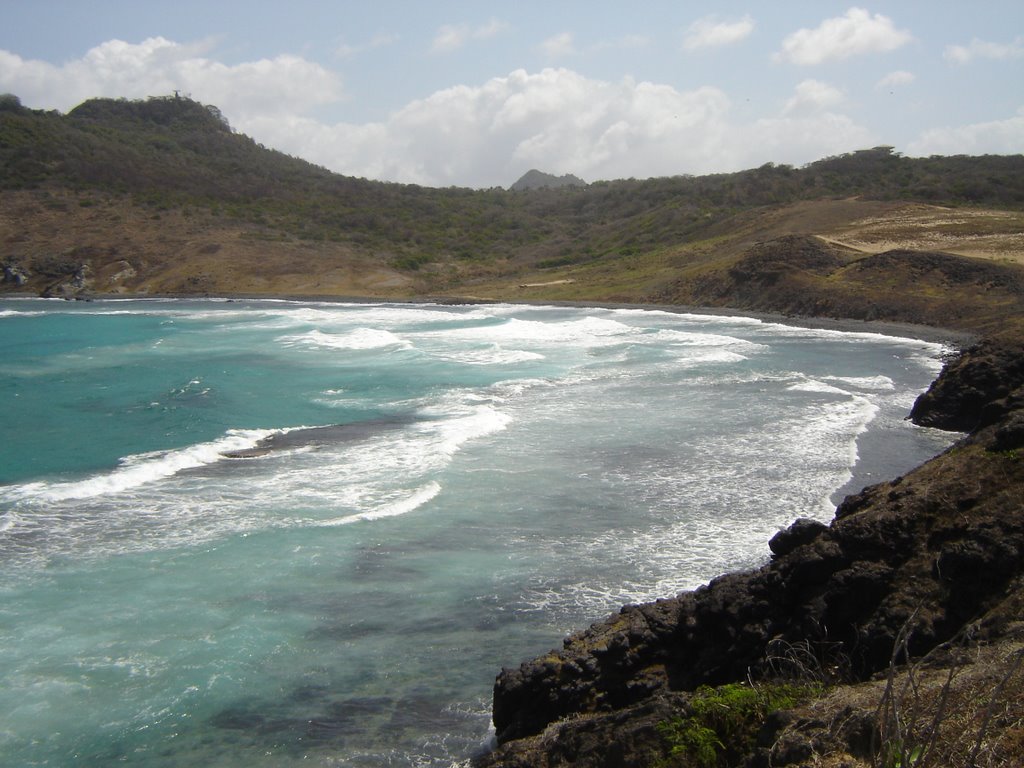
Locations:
(534, 179)
(161, 195)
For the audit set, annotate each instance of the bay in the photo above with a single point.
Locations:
(271, 532)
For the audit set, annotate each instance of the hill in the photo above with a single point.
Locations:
(162, 196)
(534, 179)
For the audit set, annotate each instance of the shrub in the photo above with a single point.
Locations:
(722, 723)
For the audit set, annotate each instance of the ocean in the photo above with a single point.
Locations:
(241, 533)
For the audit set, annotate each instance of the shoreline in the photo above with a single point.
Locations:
(953, 337)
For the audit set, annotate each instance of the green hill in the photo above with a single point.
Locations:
(161, 195)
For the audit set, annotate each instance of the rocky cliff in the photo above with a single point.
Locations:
(927, 557)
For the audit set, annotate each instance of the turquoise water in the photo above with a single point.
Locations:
(272, 533)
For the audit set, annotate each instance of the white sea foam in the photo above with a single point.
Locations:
(689, 317)
(138, 470)
(451, 433)
(929, 349)
(691, 339)
(871, 383)
(712, 355)
(358, 339)
(401, 506)
(932, 357)
(494, 354)
(588, 331)
(832, 433)
(714, 512)
(812, 385)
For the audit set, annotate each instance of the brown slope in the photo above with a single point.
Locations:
(803, 275)
(66, 243)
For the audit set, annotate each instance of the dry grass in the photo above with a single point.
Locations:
(957, 708)
(186, 250)
(980, 233)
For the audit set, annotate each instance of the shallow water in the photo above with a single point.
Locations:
(265, 532)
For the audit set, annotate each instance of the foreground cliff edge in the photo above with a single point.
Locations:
(925, 565)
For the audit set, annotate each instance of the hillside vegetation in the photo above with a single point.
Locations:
(162, 196)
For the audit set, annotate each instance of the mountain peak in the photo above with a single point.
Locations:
(534, 179)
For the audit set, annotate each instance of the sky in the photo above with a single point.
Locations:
(474, 94)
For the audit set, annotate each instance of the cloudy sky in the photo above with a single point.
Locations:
(474, 94)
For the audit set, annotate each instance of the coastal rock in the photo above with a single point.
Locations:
(802, 531)
(938, 550)
(1010, 434)
(976, 389)
(14, 274)
(627, 738)
(74, 278)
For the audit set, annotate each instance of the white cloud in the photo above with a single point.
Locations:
(156, 66)
(981, 49)
(897, 78)
(558, 45)
(562, 122)
(469, 135)
(813, 95)
(451, 37)
(709, 33)
(838, 38)
(998, 137)
(796, 140)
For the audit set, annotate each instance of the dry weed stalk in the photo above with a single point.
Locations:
(929, 717)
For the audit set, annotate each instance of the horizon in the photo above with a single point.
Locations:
(468, 95)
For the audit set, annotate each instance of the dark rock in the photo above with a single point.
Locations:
(792, 749)
(74, 279)
(625, 738)
(973, 388)
(15, 274)
(801, 532)
(1010, 434)
(859, 730)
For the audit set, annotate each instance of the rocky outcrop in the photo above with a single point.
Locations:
(978, 388)
(14, 274)
(77, 280)
(941, 548)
